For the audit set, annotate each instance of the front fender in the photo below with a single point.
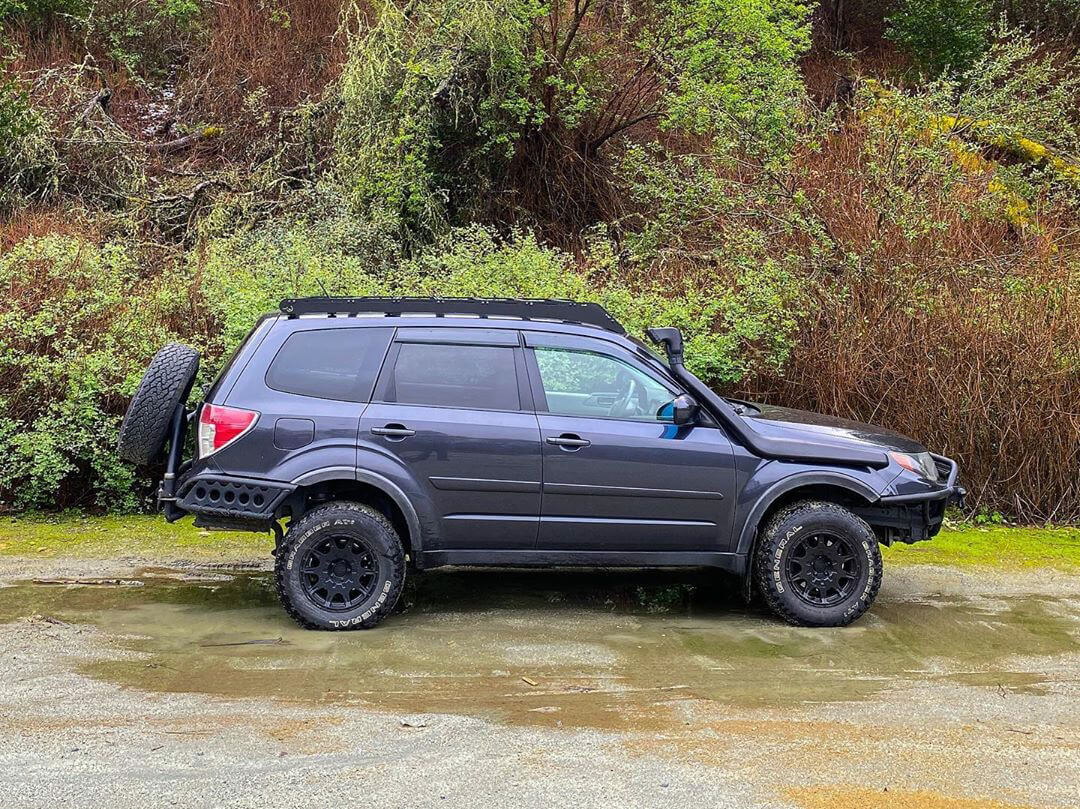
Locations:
(774, 480)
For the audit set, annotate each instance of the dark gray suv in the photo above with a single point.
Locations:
(388, 432)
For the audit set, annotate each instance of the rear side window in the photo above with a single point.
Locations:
(337, 363)
(482, 377)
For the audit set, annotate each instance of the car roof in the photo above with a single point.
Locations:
(554, 316)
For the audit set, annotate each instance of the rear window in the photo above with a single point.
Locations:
(337, 363)
(481, 377)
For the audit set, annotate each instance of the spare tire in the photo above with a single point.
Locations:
(166, 383)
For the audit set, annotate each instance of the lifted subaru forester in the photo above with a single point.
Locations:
(514, 432)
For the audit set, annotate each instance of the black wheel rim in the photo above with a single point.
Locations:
(823, 569)
(338, 573)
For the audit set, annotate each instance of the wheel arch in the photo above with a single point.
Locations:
(832, 487)
(362, 486)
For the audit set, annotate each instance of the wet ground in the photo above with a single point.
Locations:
(584, 688)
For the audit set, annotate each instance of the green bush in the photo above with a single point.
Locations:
(77, 326)
(28, 160)
(729, 326)
(433, 100)
(135, 34)
(941, 34)
(452, 109)
(1016, 90)
(38, 11)
(732, 323)
(318, 249)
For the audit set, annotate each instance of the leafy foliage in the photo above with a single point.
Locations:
(433, 99)
(728, 328)
(941, 34)
(448, 105)
(1019, 90)
(77, 325)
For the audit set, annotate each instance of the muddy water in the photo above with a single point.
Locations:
(611, 650)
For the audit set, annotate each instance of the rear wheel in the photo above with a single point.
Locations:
(818, 564)
(341, 566)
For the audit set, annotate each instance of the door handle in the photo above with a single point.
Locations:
(568, 440)
(393, 431)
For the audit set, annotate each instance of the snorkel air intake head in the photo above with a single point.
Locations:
(671, 339)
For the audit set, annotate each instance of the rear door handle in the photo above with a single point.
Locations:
(568, 440)
(393, 430)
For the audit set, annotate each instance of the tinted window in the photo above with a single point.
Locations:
(330, 363)
(481, 377)
(581, 383)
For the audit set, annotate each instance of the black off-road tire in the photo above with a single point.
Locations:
(356, 532)
(788, 549)
(166, 383)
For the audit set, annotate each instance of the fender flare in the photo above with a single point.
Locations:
(383, 484)
(748, 530)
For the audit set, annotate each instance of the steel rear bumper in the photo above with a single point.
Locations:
(229, 502)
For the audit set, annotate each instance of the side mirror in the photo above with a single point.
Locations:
(680, 410)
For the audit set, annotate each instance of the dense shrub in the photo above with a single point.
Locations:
(732, 325)
(941, 34)
(137, 35)
(453, 110)
(77, 326)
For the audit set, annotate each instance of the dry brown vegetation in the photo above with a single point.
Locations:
(967, 337)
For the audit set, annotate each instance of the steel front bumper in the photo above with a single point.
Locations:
(919, 515)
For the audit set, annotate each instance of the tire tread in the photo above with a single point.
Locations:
(166, 382)
(764, 552)
(397, 560)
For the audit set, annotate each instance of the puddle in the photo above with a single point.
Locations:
(580, 649)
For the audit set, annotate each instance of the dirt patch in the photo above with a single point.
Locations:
(831, 797)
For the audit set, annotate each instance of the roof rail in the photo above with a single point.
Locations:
(591, 314)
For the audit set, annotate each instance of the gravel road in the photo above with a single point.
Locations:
(126, 685)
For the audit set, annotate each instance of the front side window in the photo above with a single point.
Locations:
(479, 377)
(583, 383)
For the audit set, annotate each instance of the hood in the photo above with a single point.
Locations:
(784, 422)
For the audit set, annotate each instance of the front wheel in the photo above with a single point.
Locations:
(817, 564)
(341, 566)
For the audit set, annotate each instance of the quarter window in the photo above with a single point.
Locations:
(339, 363)
(584, 383)
(480, 377)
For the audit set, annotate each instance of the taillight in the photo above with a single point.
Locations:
(219, 426)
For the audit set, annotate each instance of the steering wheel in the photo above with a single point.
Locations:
(622, 401)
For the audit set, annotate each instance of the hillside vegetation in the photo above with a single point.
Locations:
(868, 211)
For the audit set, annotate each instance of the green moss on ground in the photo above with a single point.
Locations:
(139, 536)
(1000, 546)
(150, 537)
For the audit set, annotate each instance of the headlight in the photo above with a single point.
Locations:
(918, 463)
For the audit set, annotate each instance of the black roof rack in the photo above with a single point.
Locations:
(592, 314)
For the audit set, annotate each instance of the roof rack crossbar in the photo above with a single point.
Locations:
(592, 314)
